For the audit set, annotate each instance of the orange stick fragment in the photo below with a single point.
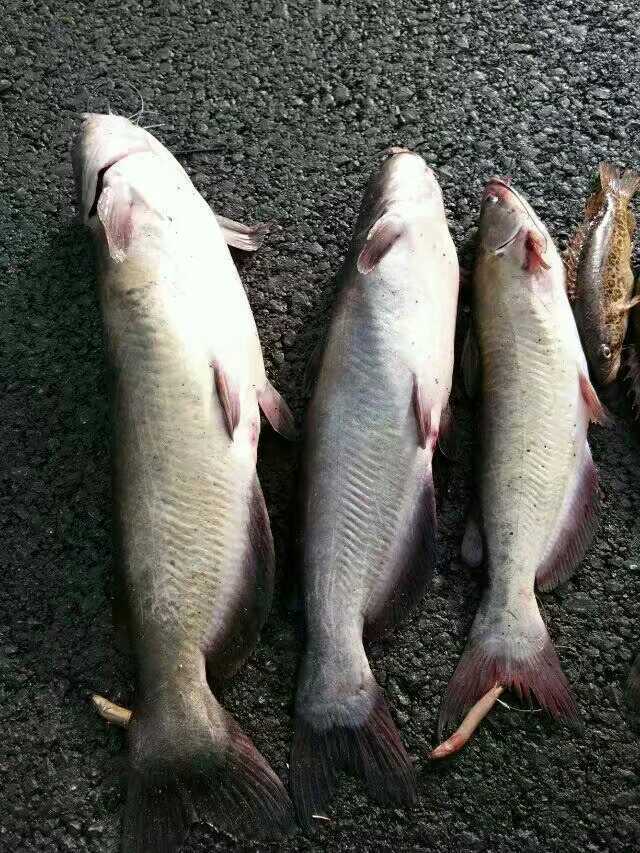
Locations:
(469, 724)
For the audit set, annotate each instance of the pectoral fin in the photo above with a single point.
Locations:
(597, 411)
(229, 398)
(382, 236)
(421, 411)
(249, 238)
(535, 253)
(277, 412)
(114, 210)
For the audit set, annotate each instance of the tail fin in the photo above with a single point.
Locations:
(624, 184)
(512, 649)
(633, 685)
(340, 727)
(191, 762)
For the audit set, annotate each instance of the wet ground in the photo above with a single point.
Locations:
(293, 102)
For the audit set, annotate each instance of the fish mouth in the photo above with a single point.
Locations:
(395, 149)
(499, 188)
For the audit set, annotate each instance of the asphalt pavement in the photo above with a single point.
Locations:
(279, 110)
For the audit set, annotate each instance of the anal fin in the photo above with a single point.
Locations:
(250, 610)
(413, 564)
(575, 529)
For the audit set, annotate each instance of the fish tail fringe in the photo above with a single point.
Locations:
(370, 748)
(199, 769)
(517, 658)
(624, 184)
(633, 685)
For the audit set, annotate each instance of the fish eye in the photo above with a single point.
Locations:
(605, 351)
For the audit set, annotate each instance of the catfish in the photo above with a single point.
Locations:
(380, 404)
(538, 486)
(194, 547)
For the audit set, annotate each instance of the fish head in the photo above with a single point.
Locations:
(604, 351)
(402, 179)
(121, 169)
(511, 232)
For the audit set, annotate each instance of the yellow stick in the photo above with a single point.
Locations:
(110, 712)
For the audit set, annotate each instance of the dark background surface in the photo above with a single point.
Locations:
(298, 100)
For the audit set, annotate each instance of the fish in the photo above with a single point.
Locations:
(599, 275)
(538, 486)
(379, 406)
(194, 548)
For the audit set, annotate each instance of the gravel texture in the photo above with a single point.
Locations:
(294, 100)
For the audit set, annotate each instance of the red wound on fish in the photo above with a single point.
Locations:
(535, 247)
(229, 398)
(383, 234)
(576, 528)
(597, 411)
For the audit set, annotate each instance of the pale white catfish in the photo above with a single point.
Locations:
(538, 484)
(194, 542)
(369, 511)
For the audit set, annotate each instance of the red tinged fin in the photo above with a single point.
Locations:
(624, 184)
(192, 762)
(633, 686)
(597, 412)
(367, 746)
(410, 568)
(576, 527)
(382, 236)
(229, 398)
(114, 210)
(468, 726)
(535, 248)
(513, 649)
(422, 412)
(248, 238)
(277, 412)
